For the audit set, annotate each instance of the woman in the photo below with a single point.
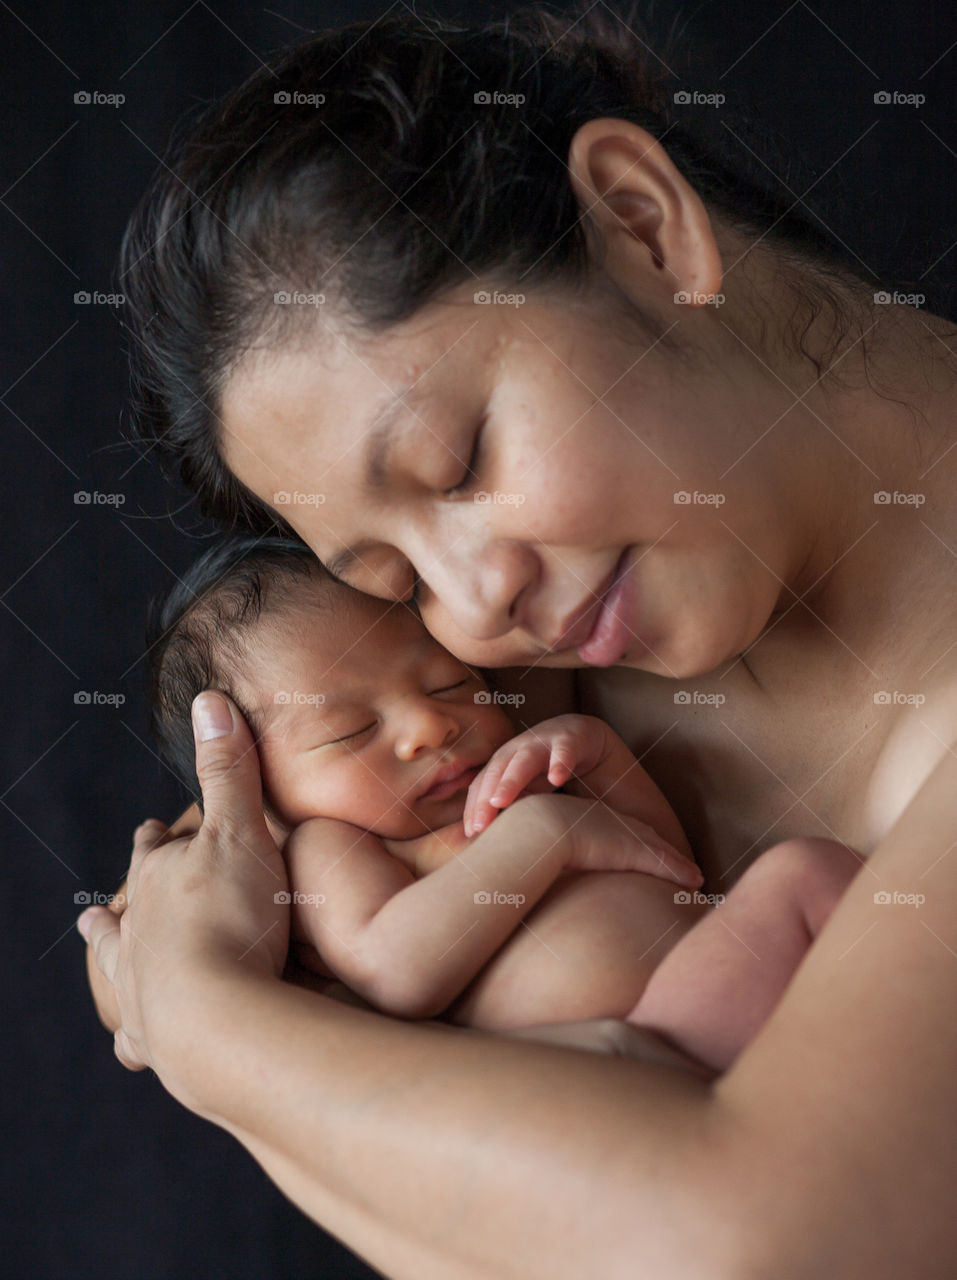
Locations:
(642, 434)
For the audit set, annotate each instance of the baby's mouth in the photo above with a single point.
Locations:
(450, 780)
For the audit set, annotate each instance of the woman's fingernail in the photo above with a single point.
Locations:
(211, 716)
(84, 921)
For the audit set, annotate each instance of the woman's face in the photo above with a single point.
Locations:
(536, 479)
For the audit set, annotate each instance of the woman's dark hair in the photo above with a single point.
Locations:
(414, 173)
(197, 633)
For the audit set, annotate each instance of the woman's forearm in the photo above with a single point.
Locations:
(529, 1160)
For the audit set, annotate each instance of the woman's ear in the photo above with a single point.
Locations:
(658, 239)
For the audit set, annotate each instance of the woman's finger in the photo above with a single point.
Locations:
(100, 928)
(227, 767)
(126, 1052)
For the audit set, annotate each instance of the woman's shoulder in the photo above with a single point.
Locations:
(925, 728)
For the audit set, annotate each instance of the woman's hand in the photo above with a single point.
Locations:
(194, 905)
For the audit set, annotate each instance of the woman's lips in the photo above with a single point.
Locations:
(451, 785)
(612, 632)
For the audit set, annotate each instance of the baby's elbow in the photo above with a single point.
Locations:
(401, 993)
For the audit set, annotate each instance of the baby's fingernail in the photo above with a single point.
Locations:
(84, 921)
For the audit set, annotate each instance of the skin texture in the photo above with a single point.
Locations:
(826, 1149)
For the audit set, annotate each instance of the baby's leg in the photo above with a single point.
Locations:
(713, 992)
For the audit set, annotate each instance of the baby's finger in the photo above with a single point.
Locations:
(562, 764)
(478, 813)
(522, 768)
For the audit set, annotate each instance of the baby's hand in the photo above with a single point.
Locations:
(546, 755)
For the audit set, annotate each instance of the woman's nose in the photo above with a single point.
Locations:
(426, 726)
(480, 587)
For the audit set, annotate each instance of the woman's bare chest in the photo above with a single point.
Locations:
(745, 769)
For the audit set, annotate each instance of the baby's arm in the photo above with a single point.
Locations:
(586, 754)
(411, 946)
(714, 991)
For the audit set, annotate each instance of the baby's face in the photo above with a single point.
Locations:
(367, 718)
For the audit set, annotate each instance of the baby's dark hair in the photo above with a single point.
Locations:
(415, 174)
(197, 634)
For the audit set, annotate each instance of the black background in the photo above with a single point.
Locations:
(106, 1174)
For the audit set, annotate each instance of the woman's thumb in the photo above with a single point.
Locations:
(227, 765)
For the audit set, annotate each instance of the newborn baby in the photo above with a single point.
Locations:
(431, 868)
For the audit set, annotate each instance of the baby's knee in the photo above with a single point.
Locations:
(814, 871)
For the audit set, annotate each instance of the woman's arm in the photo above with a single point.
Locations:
(826, 1150)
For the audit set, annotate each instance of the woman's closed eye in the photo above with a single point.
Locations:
(471, 467)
